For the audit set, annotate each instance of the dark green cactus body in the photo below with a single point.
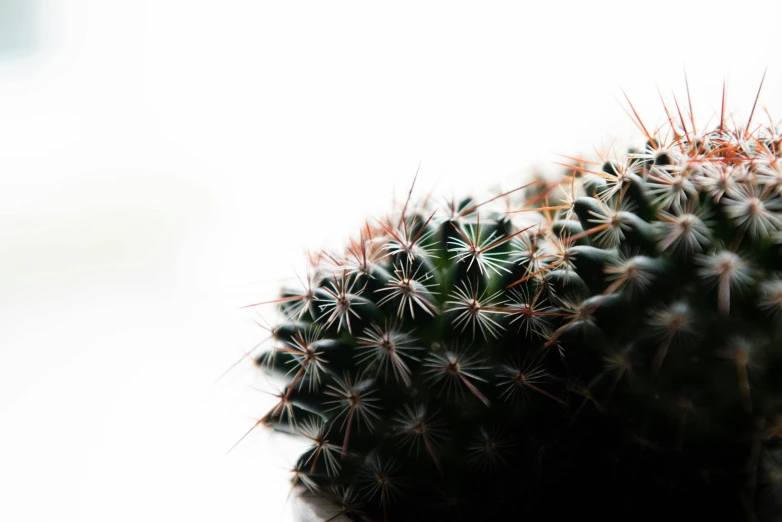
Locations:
(616, 353)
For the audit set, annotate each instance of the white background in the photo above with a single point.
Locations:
(163, 163)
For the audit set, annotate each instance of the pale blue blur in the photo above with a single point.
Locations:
(19, 28)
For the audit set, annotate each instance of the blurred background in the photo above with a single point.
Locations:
(164, 162)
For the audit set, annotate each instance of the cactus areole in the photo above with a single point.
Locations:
(605, 345)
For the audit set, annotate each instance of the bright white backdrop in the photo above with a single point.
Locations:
(164, 162)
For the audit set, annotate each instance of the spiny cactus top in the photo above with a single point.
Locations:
(602, 344)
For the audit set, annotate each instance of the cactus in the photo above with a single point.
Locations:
(605, 343)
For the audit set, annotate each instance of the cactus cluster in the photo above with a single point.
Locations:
(603, 344)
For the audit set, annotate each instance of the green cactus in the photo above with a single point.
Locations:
(603, 344)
